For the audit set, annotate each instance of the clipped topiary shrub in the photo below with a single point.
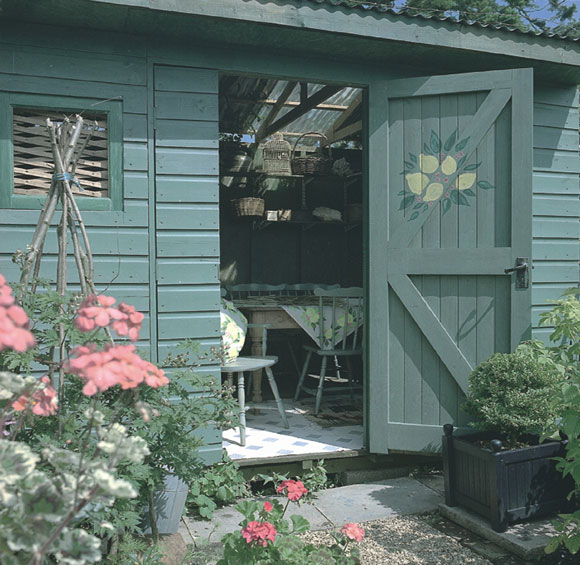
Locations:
(510, 394)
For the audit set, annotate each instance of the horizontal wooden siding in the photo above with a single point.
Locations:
(86, 66)
(187, 216)
(556, 206)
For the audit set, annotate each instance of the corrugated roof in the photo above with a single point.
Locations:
(381, 8)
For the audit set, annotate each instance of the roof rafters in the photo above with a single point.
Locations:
(264, 129)
(336, 132)
(311, 102)
(292, 103)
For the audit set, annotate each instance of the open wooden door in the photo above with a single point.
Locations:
(450, 193)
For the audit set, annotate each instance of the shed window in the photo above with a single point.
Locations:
(34, 163)
(26, 154)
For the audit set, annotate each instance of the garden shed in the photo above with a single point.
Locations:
(461, 143)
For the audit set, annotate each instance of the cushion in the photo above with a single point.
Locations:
(233, 330)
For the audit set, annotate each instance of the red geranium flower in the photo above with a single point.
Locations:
(268, 506)
(114, 365)
(294, 489)
(259, 532)
(130, 324)
(43, 399)
(97, 311)
(353, 531)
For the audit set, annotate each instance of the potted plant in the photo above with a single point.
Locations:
(503, 472)
(172, 424)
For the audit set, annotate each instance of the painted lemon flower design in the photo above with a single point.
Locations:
(439, 174)
(417, 182)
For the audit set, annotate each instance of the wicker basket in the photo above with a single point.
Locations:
(277, 156)
(249, 206)
(318, 164)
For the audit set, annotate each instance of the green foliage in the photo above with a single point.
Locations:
(135, 551)
(40, 491)
(520, 14)
(314, 480)
(564, 355)
(79, 481)
(218, 485)
(510, 394)
(287, 548)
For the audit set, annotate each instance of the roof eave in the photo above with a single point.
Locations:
(373, 25)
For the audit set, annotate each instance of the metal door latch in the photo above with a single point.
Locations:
(521, 271)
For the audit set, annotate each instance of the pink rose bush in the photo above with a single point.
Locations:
(266, 537)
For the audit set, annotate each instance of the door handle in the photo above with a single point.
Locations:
(521, 269)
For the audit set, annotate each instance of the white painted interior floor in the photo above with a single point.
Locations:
(266, 437)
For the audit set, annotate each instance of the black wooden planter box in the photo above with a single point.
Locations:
(503, 486)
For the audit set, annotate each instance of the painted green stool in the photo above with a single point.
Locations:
(241, 365)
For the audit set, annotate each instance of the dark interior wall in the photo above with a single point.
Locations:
(288, 252)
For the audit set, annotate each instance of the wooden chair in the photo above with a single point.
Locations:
(241, 365)
(306, 288)
(239, 291)
(339, 338)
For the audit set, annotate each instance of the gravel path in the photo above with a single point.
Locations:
(408, 540)
(427, 539)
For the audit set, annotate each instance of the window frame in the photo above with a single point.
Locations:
(114, 111)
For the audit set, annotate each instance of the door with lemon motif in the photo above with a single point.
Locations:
(450, 171)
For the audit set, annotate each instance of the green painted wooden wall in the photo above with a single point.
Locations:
(187, 216)
(88, 69)
(556, 207)
(161, 251)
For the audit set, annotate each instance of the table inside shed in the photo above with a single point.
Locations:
(303, 312)
(277, 318)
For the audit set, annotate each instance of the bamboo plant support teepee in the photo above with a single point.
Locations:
(66, 150)
(67, 144)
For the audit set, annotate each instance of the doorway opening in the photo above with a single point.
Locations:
(291, 228)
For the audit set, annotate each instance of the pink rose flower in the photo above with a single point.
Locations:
(353, 532)
(294, 489)
(259, 532)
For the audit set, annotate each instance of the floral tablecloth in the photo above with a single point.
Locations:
(311, 317)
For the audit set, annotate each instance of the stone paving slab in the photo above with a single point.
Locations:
(331, 508)
(526, 540)
(383, 499)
